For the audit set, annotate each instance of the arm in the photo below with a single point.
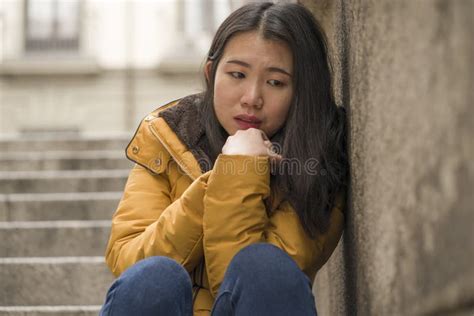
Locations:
(146, 223)
(235, 217)
(285, 231)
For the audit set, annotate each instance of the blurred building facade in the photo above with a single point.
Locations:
(99, 66)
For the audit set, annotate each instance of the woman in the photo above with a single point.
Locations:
(235, 200)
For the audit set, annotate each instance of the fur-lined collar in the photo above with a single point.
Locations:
(185, 119)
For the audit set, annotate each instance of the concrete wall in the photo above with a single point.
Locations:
(404, 69)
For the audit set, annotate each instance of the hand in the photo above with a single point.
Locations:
(252, 142)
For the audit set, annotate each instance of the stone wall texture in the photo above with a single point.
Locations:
(404, 70)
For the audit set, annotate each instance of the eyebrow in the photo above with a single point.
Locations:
(271, 69)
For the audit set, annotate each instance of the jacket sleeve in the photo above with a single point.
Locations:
(285, 231)
(146, 223)
(235, 217)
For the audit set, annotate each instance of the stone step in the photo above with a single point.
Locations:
(92, 310)
(64, 143)
(58, 206)
(54, 238)
(53, 281)
(63, 160)
(62, 181)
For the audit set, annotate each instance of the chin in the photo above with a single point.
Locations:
(231, 131)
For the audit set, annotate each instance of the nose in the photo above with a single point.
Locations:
(252, 96)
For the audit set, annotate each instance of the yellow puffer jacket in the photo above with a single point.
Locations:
(171, 208)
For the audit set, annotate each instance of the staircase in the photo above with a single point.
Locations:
(57, 196)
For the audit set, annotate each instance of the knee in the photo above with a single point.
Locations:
(156, 285)
(263, 262)
(157, 273)
(263, 255)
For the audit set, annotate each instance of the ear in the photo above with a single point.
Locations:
(207, 70)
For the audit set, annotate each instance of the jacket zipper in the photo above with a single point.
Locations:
(198, 271)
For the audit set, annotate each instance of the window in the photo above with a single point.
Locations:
(52, 25)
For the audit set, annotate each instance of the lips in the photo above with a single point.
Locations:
(247, 121)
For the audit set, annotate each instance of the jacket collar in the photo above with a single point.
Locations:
(177, 127)
(185, 120)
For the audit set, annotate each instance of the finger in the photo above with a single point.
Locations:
(264, 136)
(271, 151)
(273, 154)
(275, 159)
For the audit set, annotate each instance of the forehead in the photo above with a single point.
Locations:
(254, 49)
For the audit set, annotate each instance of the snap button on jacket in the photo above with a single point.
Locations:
(171, 208)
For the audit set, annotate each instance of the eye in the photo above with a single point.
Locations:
(237, 75)
(276, 83)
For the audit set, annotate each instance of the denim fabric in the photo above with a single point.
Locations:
(152, 286)
(260, 280)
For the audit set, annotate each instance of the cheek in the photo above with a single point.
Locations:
(279, 118)
(218, 95)
(218, 109)
(220, 104)
(279, 114)
(224, 90)
(225, 98)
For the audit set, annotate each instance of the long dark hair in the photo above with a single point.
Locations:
(315, 126)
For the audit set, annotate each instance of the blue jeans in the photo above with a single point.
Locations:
(261, 280)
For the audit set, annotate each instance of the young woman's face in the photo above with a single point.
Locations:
(253, 84)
